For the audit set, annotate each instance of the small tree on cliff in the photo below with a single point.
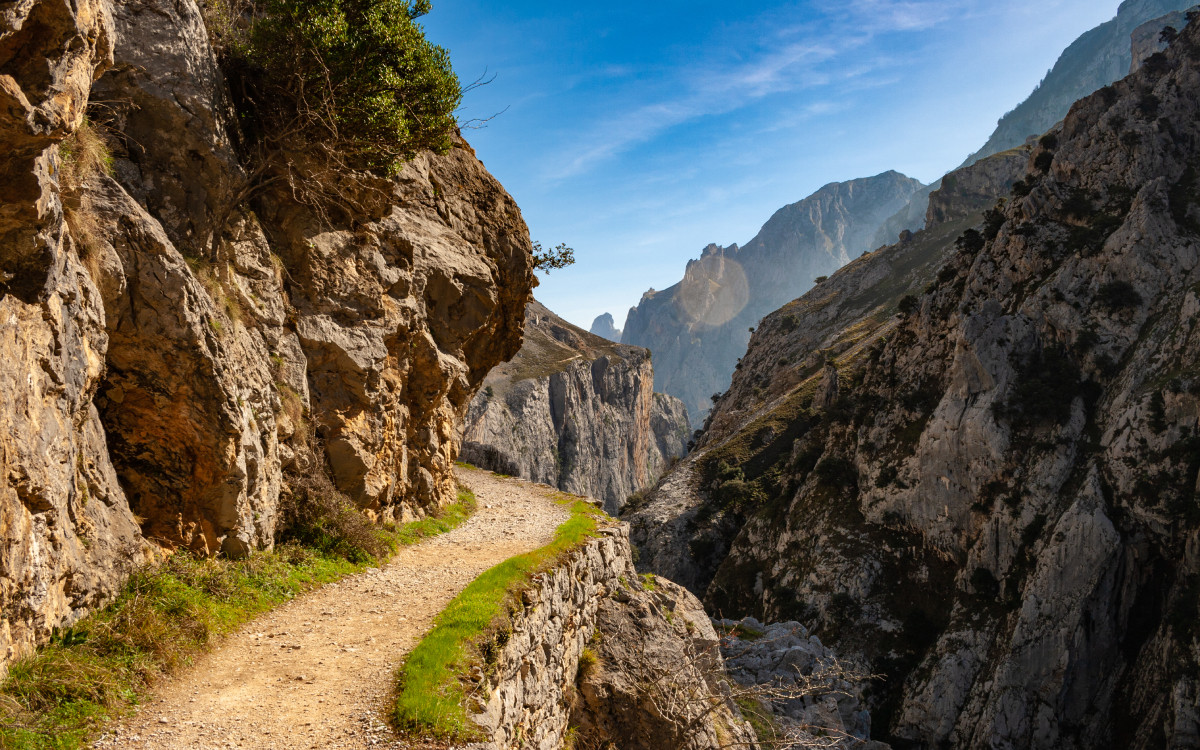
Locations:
(548, 260)
(326, 88)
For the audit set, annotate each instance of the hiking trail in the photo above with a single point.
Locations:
(318, 672)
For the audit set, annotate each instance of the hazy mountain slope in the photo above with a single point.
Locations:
(1099, 57)
(679, 527)
(996, 501)
(1094, 60)
(577, 412)
(698, 328)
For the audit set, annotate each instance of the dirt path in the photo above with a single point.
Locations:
(317, 672)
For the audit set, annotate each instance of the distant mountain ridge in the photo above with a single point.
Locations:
(1094, 60)
(699, 327)
(1099, 57)
(604, 327)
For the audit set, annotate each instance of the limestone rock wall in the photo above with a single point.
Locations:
(175, 344)
(67, 535)
(576, 412)
(536, 691)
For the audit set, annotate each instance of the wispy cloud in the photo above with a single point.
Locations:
(781, 59)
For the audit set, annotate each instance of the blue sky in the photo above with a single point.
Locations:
(637, 133)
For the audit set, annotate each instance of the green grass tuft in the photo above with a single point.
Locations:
(430, 683)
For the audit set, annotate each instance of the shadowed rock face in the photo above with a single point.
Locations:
(170, 355)
(994, 501)
(698, 328)
(577, 412)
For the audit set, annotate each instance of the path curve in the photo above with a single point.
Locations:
(317, 672)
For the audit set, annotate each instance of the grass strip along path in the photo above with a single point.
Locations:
(431, 697)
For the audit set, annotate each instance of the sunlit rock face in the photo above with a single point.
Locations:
(699, 328)
(577, 412)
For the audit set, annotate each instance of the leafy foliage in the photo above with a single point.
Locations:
(548, 260)
(355, 81)
(1118, 295)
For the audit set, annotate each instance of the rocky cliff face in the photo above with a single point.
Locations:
(172, 352)
(1148, 38)
(576, 412)
(993, 496)
(698, 328)
(604, 327)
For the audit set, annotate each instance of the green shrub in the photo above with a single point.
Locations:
(1046, 386)
(1118, 295)
(909, 304)
(970, 242)
(1158, 412)
(837, 472)
(352, 80)
(1148, 105)
(984, 583)
(993, 219)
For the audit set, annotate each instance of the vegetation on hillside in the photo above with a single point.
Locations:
(355, 81)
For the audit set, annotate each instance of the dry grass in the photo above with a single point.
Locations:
(588, 662)
(161, 620)
(83, 155)
(58, 698)
(318, 515)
